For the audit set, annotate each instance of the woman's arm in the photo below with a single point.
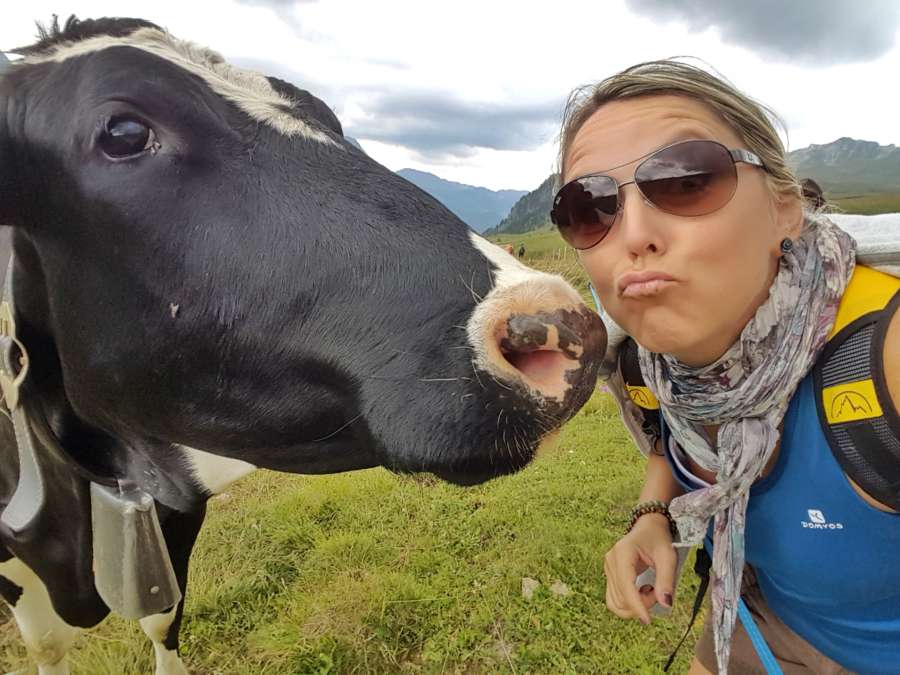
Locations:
(659, 483)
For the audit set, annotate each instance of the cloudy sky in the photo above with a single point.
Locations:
(473, 90)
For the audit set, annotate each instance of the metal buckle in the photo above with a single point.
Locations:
(13, 371)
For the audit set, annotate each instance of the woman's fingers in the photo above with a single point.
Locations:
(624, 562)
(627, 571)
(613, 601)
(665, 562)
(622, 596)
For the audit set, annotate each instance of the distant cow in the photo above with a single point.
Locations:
(208, 278)
(508, 248)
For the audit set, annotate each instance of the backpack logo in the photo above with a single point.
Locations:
(850, 402)
(817, 521)
(643, 397)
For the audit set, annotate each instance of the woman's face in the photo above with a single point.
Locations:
(709, 274)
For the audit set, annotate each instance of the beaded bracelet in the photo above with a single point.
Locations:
(654, 506)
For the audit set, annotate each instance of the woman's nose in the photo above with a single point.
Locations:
(640, 222)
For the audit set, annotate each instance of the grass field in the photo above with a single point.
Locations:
(868, 204)
(369, 572)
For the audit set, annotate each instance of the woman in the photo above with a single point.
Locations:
(695, 236)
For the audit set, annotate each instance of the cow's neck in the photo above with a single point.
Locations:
(156, 467)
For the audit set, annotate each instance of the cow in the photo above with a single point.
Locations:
(207, 278)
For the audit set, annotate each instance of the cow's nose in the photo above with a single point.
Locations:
(543, 348)
(536, 334)
(552, 353)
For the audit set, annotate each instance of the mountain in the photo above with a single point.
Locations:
(479, 207)
(841, 167)
(849, 165)
(530, 212)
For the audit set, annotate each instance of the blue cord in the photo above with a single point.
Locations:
(596, 299)
(759, 643)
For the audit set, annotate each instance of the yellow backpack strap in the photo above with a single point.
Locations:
(857, 414)
(868, 291)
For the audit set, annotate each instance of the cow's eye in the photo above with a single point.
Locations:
(125, 137)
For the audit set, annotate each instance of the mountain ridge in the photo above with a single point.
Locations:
(479, 207)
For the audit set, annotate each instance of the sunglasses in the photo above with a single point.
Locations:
(689, 178)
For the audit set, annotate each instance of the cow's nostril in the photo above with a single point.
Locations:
(545, 368)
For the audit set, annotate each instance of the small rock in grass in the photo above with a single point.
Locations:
(559, 589)
(529, 586)
(504, 650)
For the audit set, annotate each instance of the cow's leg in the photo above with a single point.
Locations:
(180, 531)
(158, 628)
(47, 637)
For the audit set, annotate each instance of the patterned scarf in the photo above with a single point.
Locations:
(747, 392)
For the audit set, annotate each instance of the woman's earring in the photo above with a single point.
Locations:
(787, 245)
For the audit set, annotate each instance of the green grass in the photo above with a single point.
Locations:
(369, 572)
(868, 204)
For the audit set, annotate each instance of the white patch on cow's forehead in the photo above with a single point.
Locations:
(509, 270)
(249, 90)
(215, 472)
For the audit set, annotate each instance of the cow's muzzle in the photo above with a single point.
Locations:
(538, 338)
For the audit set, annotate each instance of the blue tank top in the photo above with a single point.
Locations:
(828, 564)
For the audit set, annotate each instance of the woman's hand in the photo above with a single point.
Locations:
(649, 544)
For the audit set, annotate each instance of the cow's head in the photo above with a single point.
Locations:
(204, 262)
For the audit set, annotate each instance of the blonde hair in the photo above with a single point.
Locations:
(753, 122)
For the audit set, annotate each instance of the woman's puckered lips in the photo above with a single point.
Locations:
(640, 284)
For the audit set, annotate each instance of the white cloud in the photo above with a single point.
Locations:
(497, 56)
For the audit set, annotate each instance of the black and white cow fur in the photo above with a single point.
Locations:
(209, 279)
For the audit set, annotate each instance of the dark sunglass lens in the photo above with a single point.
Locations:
(585, 209)
(693, 178)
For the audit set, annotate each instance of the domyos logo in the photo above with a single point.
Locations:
(817, 521)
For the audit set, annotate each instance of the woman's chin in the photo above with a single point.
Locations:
(692, 353)
(659, 346)
(661, 335)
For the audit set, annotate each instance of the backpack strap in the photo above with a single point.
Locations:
(638, 391)
(857, 414)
